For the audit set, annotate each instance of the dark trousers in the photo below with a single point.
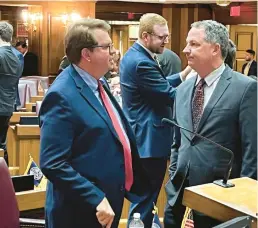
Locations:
(173, 215)
(4, 124)
(155, 169)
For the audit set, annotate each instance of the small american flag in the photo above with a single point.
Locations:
(188, 219)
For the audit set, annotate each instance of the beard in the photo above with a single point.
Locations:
(156, 50)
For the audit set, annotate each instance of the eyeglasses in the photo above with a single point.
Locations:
(105, 47)
(162, 38)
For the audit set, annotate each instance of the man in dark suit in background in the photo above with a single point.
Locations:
(250, 68)
(10, 70)
(218, 103)
(21, 59)
(147, 97)
(88, 151)
(169, 62)
(30, 60)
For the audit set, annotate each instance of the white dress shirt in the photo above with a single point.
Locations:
(211, 83)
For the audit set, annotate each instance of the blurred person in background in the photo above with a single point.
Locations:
(10, 71)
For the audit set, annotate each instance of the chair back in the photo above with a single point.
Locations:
(22, 89)
(9, 211)
(38, 105)
(43, 80)
(32, 83)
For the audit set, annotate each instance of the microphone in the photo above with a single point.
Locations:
(224, 182)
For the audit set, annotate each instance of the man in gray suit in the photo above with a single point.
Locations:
(169, 62)
(10, 71)
(218, 103)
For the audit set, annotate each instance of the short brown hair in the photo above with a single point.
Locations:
(80, 35)
(148, 21)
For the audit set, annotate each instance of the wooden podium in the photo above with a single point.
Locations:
(224, 204)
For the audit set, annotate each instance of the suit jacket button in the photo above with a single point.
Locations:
(122, 188)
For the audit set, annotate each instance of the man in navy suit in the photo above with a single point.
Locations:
(88, 151)
(221, 105)
(147, 97)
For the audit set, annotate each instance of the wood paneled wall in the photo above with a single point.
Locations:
(180, 18)
(115, 10)
(47, 41)
(248, 14)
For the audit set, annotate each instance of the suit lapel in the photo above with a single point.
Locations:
(89, 96)
(139, 48)
(188, 105)
(216, 95)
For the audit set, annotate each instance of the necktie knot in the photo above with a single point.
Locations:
(156, 58)
(201, 84)
(100, 86)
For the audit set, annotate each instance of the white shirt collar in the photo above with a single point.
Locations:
(2, 43)
(151, 53)
(90, 80)
(250, 62)
(213, 76)
(25, 53)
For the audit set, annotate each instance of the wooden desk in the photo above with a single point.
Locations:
(36, 199)
(28, 106)
(33, 99)
(17, 115)
(224, 204)
(29, 200)
(1, 153)
(22, 141)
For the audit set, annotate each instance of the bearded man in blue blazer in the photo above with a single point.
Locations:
(147, 98)
(88, 151)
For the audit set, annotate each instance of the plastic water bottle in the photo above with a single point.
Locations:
(155, 225)
(136, 222)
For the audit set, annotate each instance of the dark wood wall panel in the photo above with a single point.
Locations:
(248, 14)
(111, 10)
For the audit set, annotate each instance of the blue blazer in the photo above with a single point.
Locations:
(147, 98)
(81, 155)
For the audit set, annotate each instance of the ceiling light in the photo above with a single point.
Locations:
(222, 2)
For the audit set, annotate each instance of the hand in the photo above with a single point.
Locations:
(185, 72)
(105, 214)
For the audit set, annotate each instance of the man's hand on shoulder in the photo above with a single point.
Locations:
(105, 214)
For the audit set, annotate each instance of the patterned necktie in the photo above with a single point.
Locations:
(197, 103)
(121, 136)
(156, 58)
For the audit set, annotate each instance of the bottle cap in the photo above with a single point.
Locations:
(136, 215)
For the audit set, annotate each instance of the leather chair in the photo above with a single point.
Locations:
(9, 211)
(43, 80)
(38, 105)
(22, 89)
(32, 83)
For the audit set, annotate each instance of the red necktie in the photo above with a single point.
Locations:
(119, 131)
(197, 103)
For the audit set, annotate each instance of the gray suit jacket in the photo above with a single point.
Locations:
(170, 62)
(10, 70)
(230, 119)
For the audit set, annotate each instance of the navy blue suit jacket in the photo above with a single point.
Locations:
(82, 156)
(147, 98)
